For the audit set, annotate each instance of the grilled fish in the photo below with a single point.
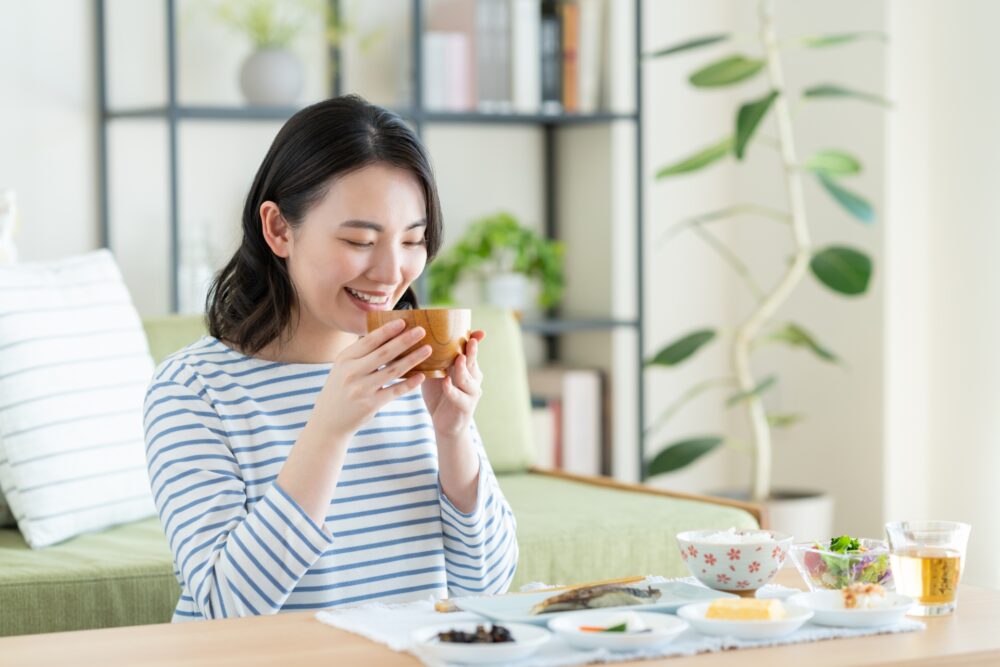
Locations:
(595, 597)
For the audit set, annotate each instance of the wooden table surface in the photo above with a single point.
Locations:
(969, 637)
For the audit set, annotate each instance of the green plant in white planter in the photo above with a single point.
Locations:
(844, 270)
(505, 257)
(272, 75)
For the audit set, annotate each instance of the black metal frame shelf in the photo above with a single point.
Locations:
(564, 325)
(173, 113)
(428, 116)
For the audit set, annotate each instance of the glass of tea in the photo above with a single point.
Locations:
(926, 559)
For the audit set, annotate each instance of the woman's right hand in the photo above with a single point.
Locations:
(356, 387)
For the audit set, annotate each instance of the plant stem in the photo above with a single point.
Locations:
(757, 417)
(688, 395)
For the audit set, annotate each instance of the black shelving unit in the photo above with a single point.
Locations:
(551, 328)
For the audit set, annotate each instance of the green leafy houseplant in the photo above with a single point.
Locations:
(495, 245)
(844, 270)
(274, 24)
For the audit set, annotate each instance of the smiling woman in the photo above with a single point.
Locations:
(291, 470)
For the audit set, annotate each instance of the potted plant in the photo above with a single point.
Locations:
(272, 75)
(505, 257)
(844, 270)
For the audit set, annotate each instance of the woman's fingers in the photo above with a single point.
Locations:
(401, 366)
(472, 350)
(398, 389)
(393, 349)
(375, 339)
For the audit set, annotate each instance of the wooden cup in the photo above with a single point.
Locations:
(446, 330)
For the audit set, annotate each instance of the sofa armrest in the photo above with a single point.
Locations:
(757, 511)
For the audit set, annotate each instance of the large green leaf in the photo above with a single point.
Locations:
(834, 90)
(820, 41)
(852, 203)
(702, 158)
(682, 348)
(759, 389)
(695, 43)
(749, 118)
(833, 162)
(731, 69)
(796, 336)
(844, 270)
(681, 453)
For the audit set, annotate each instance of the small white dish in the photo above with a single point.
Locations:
(659, 629)
(794, 619)
(527, 640)
(828, 609)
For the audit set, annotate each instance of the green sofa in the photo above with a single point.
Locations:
(569, 529)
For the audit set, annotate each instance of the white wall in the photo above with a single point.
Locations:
(943, 435)
(47, 124)
(686, 286)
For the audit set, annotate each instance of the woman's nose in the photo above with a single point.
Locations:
(386, 268)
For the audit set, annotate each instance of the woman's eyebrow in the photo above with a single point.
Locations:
(374, 226)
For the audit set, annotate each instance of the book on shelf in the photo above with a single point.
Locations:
(545, 423)
(569, 12)
(589, 50)
(526, 55)
(523, 56)
(551, 58)
(449, 56)
(446, 61)
(569, 402)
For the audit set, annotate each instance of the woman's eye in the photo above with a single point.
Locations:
(414, 243)
(360, 244)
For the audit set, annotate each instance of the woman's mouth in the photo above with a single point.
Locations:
(366, 300)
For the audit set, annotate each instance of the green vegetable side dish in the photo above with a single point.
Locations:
(846, 560)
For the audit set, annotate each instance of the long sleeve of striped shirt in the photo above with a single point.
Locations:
(219, 427)
(480, 546)
(234, 561)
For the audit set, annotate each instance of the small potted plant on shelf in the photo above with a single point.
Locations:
(845, 271)
(272, 75)
(505, 257)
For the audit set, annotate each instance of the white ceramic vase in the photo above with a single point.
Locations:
(805, 515)
(272, 77)
(508, 290)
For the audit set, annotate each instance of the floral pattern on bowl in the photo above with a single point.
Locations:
(733, 567)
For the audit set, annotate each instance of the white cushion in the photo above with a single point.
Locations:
(74, 364)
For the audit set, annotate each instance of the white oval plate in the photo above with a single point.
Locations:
(527, 640)
(663, 628)
(828, 609)
(695, 615)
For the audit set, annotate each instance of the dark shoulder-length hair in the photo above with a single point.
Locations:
(251, 300)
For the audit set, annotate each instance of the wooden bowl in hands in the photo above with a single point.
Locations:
(446, 330)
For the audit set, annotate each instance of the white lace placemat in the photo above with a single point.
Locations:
(392, 625)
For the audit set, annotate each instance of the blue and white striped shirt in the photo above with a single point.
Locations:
(219, 426)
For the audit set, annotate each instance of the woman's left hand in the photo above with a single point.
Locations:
(452, 400)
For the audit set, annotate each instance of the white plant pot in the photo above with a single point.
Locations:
(508, 290)
(805, 515)
(272, 77)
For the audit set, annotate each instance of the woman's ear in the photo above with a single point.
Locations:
(277, 232)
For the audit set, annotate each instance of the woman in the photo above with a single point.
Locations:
(290, 469)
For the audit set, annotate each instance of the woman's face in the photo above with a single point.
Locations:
(359, 248)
